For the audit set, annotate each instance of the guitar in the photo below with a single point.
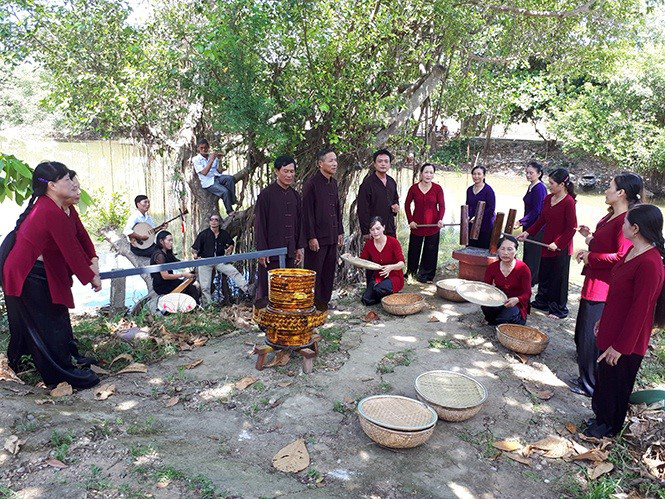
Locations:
(143, 229)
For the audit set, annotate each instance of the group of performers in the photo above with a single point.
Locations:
(622, 296)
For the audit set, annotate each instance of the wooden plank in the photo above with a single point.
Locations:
(512, 214)
(478, 220)
(464, 226)
(496, 233)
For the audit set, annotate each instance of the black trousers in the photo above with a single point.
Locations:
(613, 388)
(502, 315)
(553, 284)
(423, 254)
(585, 343)
(261, 296)
(375, 292)
(483, 240)
(531, 256)
(42, 329)
(323, 262)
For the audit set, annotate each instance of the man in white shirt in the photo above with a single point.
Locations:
(140, 216)
(212, 180)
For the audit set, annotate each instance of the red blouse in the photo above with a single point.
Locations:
(429, 208)
(390, 254)
(560, 222)
(606, 248)
(82, 234)
(49, 232)
(628, 315)
(517, 284)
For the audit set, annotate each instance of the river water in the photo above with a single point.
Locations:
(121, 166)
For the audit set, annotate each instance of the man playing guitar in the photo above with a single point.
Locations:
(141, 217)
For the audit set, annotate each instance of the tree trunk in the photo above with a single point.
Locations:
(120, 245)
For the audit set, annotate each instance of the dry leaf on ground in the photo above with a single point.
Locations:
(592, 455)
(172, 401)
(104, 391)
(519, 458)
(122, 356)
(554, 447)
(507, 445)
(199, 341)
(134, 368)
(245, 382)
(13, 444)
(600, 469)
(98, 370)
(280, 359)
(571, 428)
(7, 373)
(185, 347)
(44, 401)
(433, 318)
(62, 390)
(55, 463)
(537, 391)
(524, 359)
(193, 364)
(371, 316)
(292, 458)
(284, 384)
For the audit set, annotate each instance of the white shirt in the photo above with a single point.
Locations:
(200, 163)
(137, 218)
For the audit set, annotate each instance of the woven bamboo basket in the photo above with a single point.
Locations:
(445, 289)
(397, 413)
(395, 439)
(454, 396)
(291, 289)
(403, 303)
(288, 329)
(522, 339)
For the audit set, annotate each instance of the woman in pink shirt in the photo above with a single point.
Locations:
(429, 207)
(606, 247)
(387, 252)
(635, 303)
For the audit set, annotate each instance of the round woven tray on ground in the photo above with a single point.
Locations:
(445, 288)
(481, 293)
(403, 303)
(395, 439)
(397, 413)
(454, 396)
(522, 339)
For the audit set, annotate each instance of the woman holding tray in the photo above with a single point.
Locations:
(607, 245)
(635, 303)
(513, 277)
(480, 191)
(387, 252)
(429, 208)
(559, 220)
(533, 206)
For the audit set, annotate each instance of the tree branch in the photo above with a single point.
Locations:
(560, 14)
(417, 97)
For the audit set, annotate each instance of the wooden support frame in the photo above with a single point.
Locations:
(478, 220)
(496, 233)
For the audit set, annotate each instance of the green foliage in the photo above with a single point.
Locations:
(61, 442)
(107, 212)
(15, 179)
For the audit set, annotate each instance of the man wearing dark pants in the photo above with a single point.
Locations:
(206, 164)
(322, 225)
(277, 224)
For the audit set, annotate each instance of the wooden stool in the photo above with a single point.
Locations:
(308, 353)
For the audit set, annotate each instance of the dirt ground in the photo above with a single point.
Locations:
(219, 441)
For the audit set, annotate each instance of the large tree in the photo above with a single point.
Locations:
(263, 78)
